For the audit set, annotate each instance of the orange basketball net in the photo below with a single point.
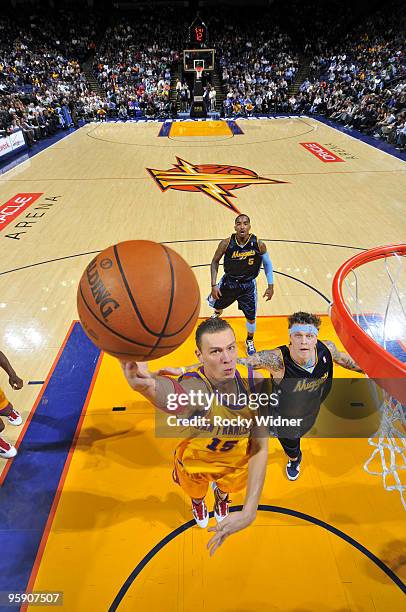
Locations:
(199, 70)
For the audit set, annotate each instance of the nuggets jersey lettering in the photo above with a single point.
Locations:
(217, 446)
(301, 392)
(242, 262)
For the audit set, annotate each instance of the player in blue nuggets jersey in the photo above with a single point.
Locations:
(243, 256)
(301, 375)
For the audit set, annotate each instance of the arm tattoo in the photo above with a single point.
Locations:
(341, 358)
(269, 360)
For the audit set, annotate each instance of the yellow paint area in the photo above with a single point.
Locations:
(200, 128)
(119, 501)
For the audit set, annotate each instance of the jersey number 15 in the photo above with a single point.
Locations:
(225, 446)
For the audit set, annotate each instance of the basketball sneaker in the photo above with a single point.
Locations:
(6, 450)
(200, 513)
(221, 505)
(250, 346)
(14, 417)
(293, 467)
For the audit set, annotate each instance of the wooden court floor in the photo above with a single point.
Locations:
(316, 196)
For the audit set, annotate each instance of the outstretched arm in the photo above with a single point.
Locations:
(175, 371)
(268, 360)
(256, 477)
(159, 390)
(341, 358)
(14, 380)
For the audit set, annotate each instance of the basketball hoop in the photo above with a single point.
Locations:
(368, 335)
(199, 72)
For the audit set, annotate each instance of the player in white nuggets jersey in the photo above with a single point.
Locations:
(223, 445)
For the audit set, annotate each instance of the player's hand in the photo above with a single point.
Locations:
(136, 373)
(268, 294)
(169, 372)
(15, 382)
(215, 292)
(236, 521)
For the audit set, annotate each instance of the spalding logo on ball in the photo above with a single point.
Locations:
(138, 300)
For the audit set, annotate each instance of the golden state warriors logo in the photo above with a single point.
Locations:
(214, 180)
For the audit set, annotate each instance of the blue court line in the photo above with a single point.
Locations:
(234, 127)
(29, 489)
(263, 508)
(165, 129)
(35, 382)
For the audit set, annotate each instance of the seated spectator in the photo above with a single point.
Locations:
(249, 108)
(28, 132)
(122, 113)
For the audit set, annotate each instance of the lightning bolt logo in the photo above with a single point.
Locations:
(215, 181)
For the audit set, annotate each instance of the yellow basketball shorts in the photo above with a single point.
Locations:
(3, 400)
(229, 479)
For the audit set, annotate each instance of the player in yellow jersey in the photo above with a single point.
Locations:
(7, 451)
(225, 446)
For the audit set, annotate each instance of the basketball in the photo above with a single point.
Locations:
(138, 300)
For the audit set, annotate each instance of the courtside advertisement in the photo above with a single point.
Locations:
(321, 152)
(10, 210)
(12, 142)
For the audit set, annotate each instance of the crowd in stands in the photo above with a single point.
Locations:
(361, 83)
(353, 75)
(134, 62)
(42, 86)
(357, 78)
(256, 69)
